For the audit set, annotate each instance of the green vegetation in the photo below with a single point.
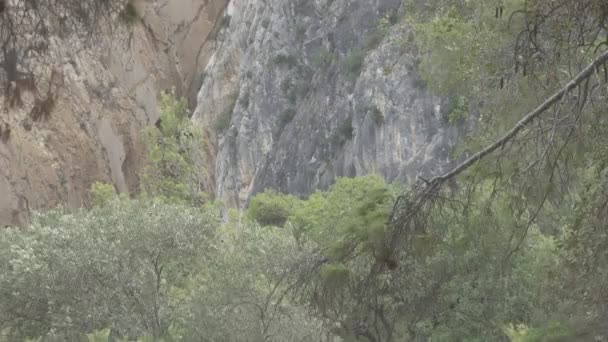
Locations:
(102, 193)
(323, 58)
(353, 63)
(510, 245)
(225, 21)
(379, 32)
(266, 23)
(344, 132)
(223, 120)
(458, 109)
(113, 266)
(287, 60)
(129, 13)
(270, 208)
(174, 167)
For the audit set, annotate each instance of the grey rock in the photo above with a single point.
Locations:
(310, 109)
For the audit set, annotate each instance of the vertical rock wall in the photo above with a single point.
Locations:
(314, 90)
(109, 93)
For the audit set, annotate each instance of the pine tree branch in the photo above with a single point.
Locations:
(521, 124)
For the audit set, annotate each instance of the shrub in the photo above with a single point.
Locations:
(222, 121)
(102, 193)
(283, 59)
(387, 70)
(129, 13)
(271, 208)
(376, 36)
(344, 132)
(225, 21)
(458, 109)
(323, 58)
(335, 276)
(353, 63)
(109, 266)
(173, 146)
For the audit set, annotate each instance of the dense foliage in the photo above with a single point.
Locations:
(516, 250)
(174, 170)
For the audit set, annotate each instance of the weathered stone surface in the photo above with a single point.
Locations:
(110, 92)
(317, 93)
(294, 67)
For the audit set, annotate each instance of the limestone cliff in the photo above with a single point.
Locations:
(292, 93)
(108, 93)
(298, 92)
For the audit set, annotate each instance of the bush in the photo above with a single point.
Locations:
(458, 109)
(129, 14)
(111, 266)
(323, 58)
(283, 59)
(222, 121)
(173, 152)
(353, 63)
(344, 132)
(225, 21)
(376, 36)
(102, 193)
(271, 208)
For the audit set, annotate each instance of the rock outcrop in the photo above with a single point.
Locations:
(292, 93)
(108, 93)
(299, 92)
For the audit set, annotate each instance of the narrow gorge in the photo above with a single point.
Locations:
(307, 90)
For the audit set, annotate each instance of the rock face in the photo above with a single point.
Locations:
(317, 89)
(292, 93)
(108, 94)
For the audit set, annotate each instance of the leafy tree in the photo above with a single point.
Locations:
(241, 293)
(174, 170)
(109, 267)
(102, 193)
(270, 208)
(504, 245)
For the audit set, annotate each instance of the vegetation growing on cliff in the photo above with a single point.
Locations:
(174, 170)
